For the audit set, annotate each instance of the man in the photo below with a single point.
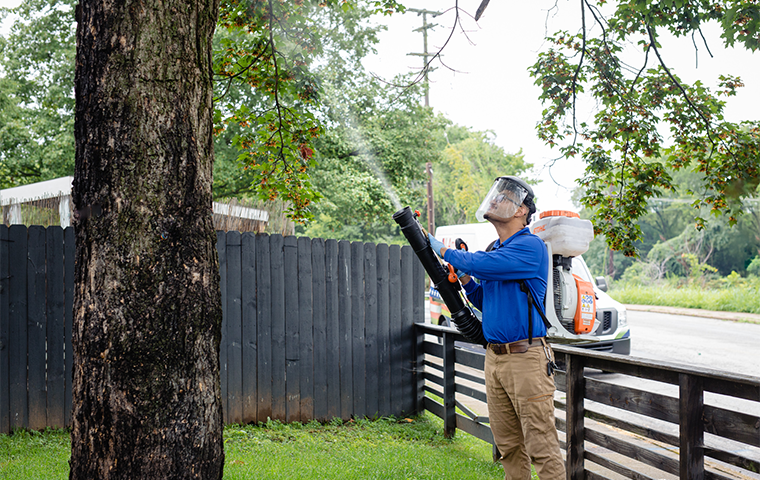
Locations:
(519, 383)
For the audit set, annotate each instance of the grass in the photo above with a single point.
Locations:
(404, 449)
(35, 455)
(738, 298)
(732, 293)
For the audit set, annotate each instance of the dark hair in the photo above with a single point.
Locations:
(528, 202)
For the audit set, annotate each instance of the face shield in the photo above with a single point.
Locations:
(502, 201)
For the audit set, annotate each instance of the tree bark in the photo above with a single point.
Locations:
(147, 398)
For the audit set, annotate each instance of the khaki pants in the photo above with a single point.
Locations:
(521, 412)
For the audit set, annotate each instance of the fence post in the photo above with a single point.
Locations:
(449, 387)
(691, 406)
(576, 386)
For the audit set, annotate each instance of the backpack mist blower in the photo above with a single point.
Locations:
(446, 282)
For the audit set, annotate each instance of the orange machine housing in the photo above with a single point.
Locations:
(586, 309)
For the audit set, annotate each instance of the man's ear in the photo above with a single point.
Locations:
(523, 211)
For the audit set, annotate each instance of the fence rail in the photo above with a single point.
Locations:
(313, 329)
(604, 422)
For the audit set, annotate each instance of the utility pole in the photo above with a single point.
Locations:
(425, 69)
(424, 54)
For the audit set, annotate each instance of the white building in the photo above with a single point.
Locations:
(49, 203)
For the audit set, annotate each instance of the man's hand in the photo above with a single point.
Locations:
(436, 245)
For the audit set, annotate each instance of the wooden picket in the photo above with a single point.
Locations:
(313, 328)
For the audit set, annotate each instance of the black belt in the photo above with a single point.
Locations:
(520, 346)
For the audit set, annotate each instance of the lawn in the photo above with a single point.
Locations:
(744, 297)
(404, 449)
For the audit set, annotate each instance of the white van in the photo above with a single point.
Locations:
(610, 331)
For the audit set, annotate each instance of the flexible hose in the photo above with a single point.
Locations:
(465, 321)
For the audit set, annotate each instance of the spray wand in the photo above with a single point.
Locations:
(465, 321)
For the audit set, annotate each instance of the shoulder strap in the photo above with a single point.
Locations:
(524, 288)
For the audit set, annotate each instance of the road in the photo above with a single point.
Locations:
(716, 344)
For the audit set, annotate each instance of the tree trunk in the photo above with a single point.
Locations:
(147, 301)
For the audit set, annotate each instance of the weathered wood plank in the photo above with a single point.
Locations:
(292, 330)
(306, 317)
(5, 365)
(319, 312)
(264, 375)
(248, 287)
(576, 387)
(616, 467)
(395, 326)
(371, 335)
(234, 328)
(36, 328)
(221, 249)
(471, 392)
(383, 331)
(406, 332)
(630, 450)
(733, 459)
(332, 329)
(449, 388)
(418, 297)
(346, 331)
(278, 295)
(471, 359)
(472, 378)
(737, 385)
(56, 318)
(358, 347)
(474, 428)
(17, 316)
(69, 262)
(691, 408)
(633, 400)
(738, 426)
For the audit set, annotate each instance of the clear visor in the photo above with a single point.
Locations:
(502, 201)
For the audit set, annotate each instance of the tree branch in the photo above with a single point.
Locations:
(276, 81)
(706, 121)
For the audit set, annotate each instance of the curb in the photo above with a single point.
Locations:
(696, 312)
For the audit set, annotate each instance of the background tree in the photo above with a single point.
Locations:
(624, 148)
(147, 302)
(469, 164)
(265, 64)
(669, 235)
(37, 93)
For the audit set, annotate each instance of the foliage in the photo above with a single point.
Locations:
(369, 169)
(627, 158)
(668, 233)
(731, 294)
(37, 93)
(269, 96)
(467, 168)
(371, 161)
(754, 267)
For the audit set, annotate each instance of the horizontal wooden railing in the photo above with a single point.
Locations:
(663, 428)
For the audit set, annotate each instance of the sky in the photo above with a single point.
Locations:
(485, 83)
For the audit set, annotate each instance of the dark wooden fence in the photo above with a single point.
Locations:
(609, 430)
(318, 329)
(313, 329)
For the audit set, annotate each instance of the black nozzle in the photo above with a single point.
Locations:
(466, 322)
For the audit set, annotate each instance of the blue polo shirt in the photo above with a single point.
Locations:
(522, 256)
